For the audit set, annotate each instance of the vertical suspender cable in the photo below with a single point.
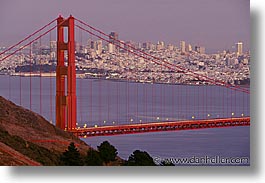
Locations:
(137, 103)
(20, 84)
(80, 84)
(187, 98)
(9, 85)
(231, 104)
(40, 66)
(91, 90)
(100, 95)
(128, 116)
(173, 100)
(152, 94)
(243, 111)
(51, 64)
(30, 77)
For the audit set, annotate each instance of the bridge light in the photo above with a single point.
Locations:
(242, 114)
(96, 126)
(76, 123)
(157, 118)
(104, 121)
(85, 136)
(208, 115)
(233, 114)
(167, 119)
(131, 120)
(85, 125)
(192, 117)
(113, 122)
(140, 121)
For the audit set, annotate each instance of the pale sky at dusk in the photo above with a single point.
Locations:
(215, 24)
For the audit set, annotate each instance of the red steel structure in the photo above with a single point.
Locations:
(65, 104)
(160, 126)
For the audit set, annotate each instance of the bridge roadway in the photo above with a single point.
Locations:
(160, 126)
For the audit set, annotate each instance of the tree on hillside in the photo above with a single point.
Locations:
(107, 152)
(93, 158)
(140, 158)
(71, 157)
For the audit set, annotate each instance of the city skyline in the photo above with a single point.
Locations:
(129, 69)
(149, 21)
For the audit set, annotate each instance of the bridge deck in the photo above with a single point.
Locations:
(160, 126)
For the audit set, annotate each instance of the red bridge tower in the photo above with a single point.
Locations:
(65, 104)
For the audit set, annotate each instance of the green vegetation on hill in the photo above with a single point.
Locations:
(71, 157)
(105, 155)
(140, 158)
(107, 152)
(93, 158)
(33, 151)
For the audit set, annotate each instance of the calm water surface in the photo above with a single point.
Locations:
(102, 102)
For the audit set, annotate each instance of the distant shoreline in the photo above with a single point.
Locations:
(80, 76)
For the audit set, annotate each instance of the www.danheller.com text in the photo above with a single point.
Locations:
(204, 160)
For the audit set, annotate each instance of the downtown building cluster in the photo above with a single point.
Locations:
(114, 60)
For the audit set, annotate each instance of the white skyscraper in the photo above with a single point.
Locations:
(189, 48)
(239, 48)
(99, 47)
(182, 46)
(111, 48)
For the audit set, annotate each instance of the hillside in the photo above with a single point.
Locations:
(26, 138)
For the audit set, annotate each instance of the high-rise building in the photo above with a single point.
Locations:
(53, 47)
(99, 46)
(146, 45)
(139, 45)
(93, 45)
(182, 47)
(200, 49)
(239, 48)
(122, 46)
(197, 49)
(113, 38)
(152, 46)
(170, 47)
(160, 45)
(89, 44)
(110, 48)
(189, 48)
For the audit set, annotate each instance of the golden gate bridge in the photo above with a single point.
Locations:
(68, 105)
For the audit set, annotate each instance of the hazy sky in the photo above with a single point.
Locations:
(215, 24)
